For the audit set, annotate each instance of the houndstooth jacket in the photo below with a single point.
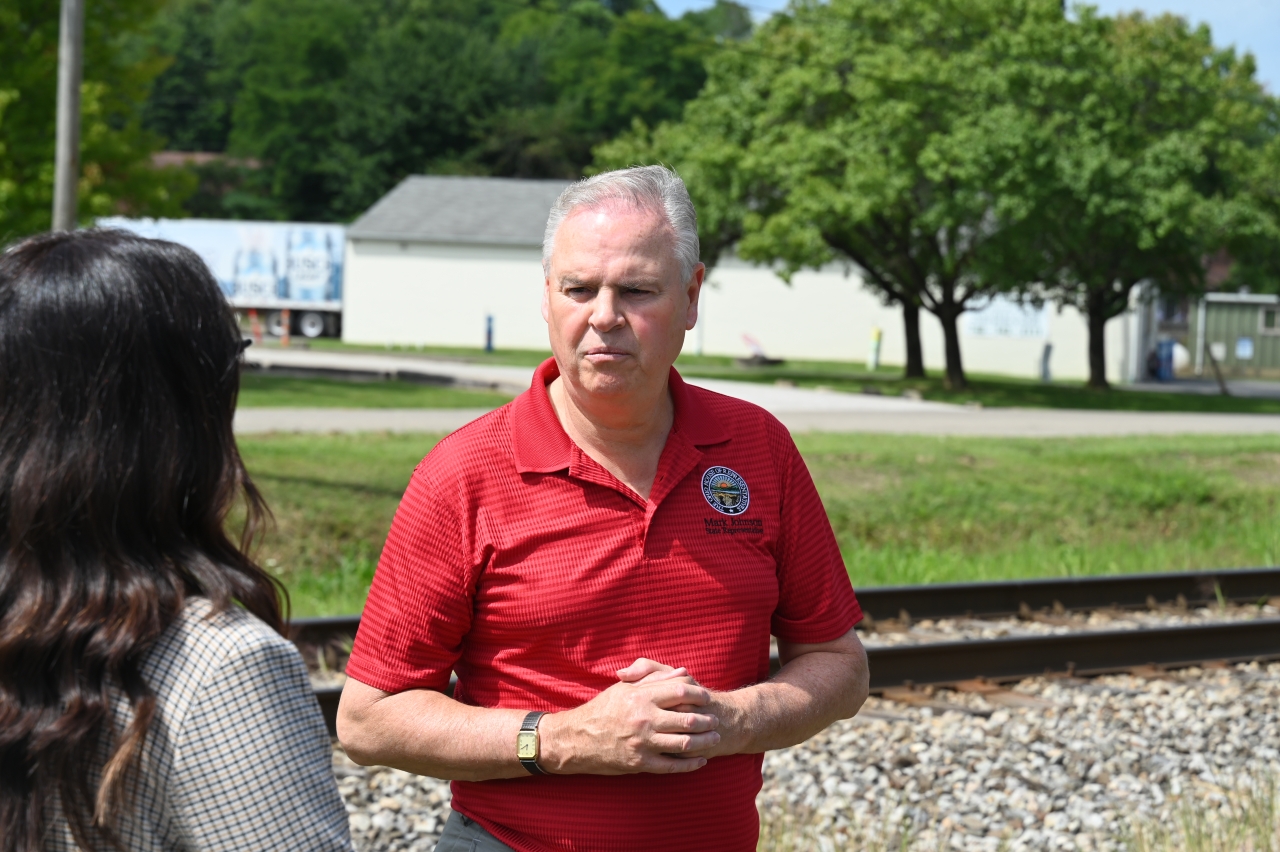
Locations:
(237, 756)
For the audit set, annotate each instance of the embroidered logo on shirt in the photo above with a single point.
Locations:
(725, 490)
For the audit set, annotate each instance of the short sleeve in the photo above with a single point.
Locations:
(420, 604)
(253, 762)
(816, 602)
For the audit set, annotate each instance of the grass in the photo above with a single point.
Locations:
(333, 498)
(905, 509)
(508, 357)
(1242, 818)
(929, 510)
(989, 390)
(263, 391)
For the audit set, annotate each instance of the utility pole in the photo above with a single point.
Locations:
(66, 174)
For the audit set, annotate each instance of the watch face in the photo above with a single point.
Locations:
(527, 745)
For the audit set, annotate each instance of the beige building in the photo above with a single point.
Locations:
(438, 259)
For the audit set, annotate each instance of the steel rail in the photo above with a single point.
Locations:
(1085, 652)
(1077, 652)
(942, 600)
(1130, 591)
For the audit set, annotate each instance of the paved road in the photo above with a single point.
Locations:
(991, 422)
(510, 379)
(800, 409)
(774, 398)
(1245, 388)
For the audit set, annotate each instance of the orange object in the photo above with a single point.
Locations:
(284, 328)
(255, 327)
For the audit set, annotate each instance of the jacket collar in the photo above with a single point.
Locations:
(541, 445)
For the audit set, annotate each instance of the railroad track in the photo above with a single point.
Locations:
(899, 669)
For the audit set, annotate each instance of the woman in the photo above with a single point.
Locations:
(147, 698)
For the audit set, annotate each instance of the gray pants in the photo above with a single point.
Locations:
(465, 835)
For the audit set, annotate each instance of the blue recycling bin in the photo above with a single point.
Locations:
(1164, 353)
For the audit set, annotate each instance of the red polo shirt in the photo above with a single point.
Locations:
(523, 565)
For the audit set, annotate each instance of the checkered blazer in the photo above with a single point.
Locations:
(237, 757)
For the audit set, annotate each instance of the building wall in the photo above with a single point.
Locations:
(415, 294)
(412, 294)
(829, 315)
(1228, 324)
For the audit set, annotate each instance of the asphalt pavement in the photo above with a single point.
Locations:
(800, 409)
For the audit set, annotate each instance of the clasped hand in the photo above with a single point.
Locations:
(655, 719)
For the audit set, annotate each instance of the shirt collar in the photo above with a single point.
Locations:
(542, 446)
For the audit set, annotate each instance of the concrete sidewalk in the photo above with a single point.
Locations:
(509, 379)
(255, 421)
(802, 410)
(991, 422)
(1243, 388)
(1038, 423)
(772, 398)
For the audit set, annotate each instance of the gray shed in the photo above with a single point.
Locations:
(446, 261)
(461, 210)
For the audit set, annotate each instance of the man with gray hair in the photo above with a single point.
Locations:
(602, 562)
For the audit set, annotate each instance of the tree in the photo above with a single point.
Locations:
(189, 104)
(1151, 139)
(1255, 251)
(338, 100)
(877, 132)
(116, 175)
(723, 20)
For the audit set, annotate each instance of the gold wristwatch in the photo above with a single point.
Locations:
(527, 744)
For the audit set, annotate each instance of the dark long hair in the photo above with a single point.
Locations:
(119, 371)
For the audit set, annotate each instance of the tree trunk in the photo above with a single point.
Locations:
(915, 352)
(951, 341)
(1096, 307)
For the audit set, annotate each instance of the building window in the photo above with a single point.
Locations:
(1271, 320)
(1171, 312)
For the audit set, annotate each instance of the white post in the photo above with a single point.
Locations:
(1201, 315)
(66, 173)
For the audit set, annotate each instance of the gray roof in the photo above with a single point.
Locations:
(476, 210)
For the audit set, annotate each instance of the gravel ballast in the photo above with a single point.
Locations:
(1056, 763)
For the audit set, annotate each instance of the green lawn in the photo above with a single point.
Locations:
(264, 391)
(905, 509)
(992, 391)
(509, 357)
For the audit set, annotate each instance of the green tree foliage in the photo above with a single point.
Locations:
(874, 132)
(116, 175)
(1256, 253)
(187, 105)
(952, 149)
(338, 100)
(1156, 150)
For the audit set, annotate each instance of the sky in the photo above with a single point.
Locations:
(1252, 25)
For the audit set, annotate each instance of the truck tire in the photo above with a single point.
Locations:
(275, 324)
(311, 324)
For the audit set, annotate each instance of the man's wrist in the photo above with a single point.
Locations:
(734, 728)
(551, 743)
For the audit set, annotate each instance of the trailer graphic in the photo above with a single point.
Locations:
(282, 269)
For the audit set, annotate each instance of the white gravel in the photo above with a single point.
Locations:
(390, 809)
(1072, 771)
(1074, 775)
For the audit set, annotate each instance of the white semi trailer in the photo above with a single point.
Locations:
(286, 275)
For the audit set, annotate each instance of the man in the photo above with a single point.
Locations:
(602, 562)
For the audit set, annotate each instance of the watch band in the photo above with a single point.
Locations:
(530, 724)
